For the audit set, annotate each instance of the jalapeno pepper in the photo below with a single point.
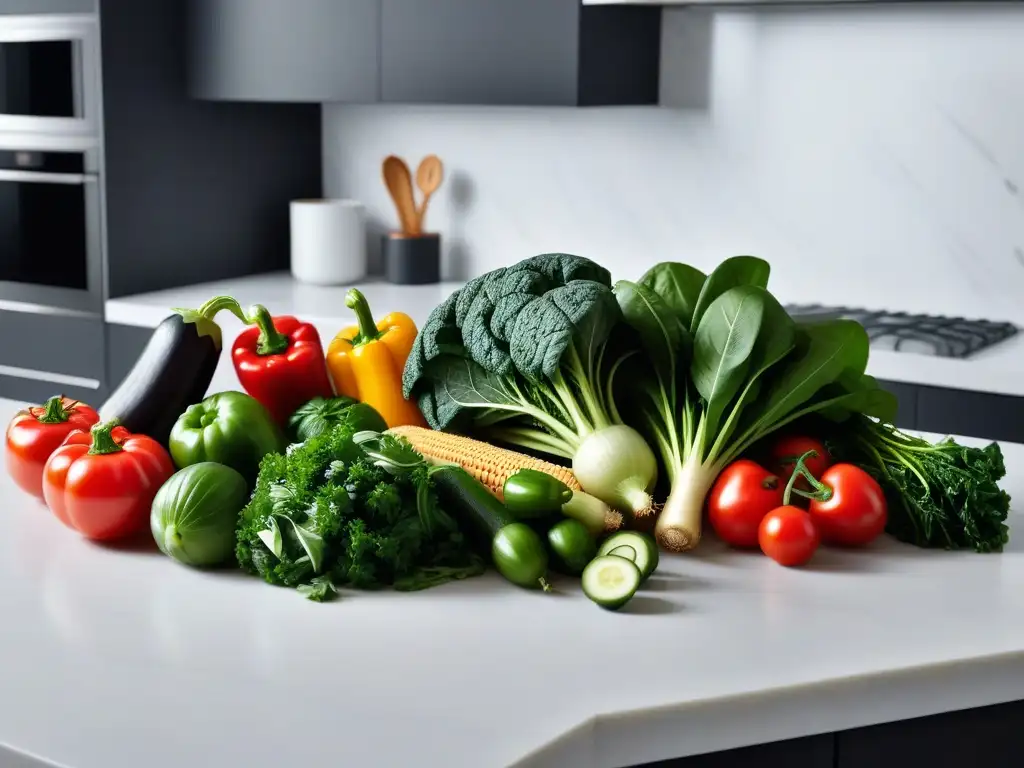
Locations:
(530, 493)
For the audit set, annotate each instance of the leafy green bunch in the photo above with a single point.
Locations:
(943, 495)
(327, 513)
(724, 366)
(517, 355)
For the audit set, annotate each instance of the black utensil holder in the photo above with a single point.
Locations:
(412, 259)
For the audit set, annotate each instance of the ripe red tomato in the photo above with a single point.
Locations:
(788, 448)
(856, 513)
(36, 432)
(740, 498)
(102, 483)
(788, 536)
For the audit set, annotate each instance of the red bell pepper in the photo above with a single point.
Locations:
(102, 483)
(279, 361)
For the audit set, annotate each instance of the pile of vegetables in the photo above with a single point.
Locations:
(508, 432)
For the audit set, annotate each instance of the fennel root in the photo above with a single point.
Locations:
(678, 527)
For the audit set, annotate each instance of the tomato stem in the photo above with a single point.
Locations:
(102, 440)
(54, 411)
(821, 491)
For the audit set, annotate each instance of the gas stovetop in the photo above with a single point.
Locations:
(923, 334)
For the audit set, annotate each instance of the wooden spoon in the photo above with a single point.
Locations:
(399, 183)
(429, 176)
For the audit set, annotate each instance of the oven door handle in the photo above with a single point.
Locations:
(45, 178)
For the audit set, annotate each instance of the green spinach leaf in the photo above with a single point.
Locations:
(678, 286)
(731, 273)
(824, 351)
(722, 348)
(663, 337)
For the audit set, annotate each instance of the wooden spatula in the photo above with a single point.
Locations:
(399, 183)
(429, 176)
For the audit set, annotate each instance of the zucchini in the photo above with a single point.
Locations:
(572, 546)
(173, 372)
(516, 550)
(643, 544)
(626, 551)
(610, 581)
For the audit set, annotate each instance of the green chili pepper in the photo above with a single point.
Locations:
(530, 493)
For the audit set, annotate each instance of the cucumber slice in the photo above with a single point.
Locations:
(646, 549)
(610, 581)
(625, 551)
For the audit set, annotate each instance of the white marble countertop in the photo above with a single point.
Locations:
(118, 658)
(998, 369)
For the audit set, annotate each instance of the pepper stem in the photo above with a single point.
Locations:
(271, 341)
(821, 491)
(102, 439)
(54, 411)
(355, 301)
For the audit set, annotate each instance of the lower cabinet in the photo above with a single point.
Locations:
(959, 412)
(809, 752)
(124, 345)
(988, 737)
(906, 394)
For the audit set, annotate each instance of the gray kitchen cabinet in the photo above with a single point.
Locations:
(974, 414)
(124, 345)
(47, 6)
(906, 395)
(64, 344)
(809, 752)
(982, 738)
(45, 354)
(479, 51)
(518, 52)
(37, 391)
(284, 50)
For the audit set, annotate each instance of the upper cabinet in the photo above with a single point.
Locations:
(497, 52)
(479, 51)
(284, 50)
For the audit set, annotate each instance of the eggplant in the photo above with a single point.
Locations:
(173, 372)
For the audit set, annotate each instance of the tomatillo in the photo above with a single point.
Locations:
(229, 428)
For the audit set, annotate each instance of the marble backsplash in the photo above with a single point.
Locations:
(875, 155)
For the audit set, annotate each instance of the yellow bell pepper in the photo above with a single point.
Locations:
(366, 361)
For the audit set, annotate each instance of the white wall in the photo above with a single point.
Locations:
(873, 155)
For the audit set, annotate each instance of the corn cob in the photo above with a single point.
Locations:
(487, 463)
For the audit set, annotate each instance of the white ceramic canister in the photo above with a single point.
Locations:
(328, 241)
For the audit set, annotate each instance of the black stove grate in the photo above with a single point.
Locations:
(923, 334)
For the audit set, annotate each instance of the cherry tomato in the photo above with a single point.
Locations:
(102, 483)
(788, 448)
(36, 432)
(788, 536)
(856, 513)
(740, 498)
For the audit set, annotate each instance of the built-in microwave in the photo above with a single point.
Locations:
(49, 74)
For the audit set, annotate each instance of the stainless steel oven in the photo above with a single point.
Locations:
(49, 74)
(50, 228)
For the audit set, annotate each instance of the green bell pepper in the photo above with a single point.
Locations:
(229, 428)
